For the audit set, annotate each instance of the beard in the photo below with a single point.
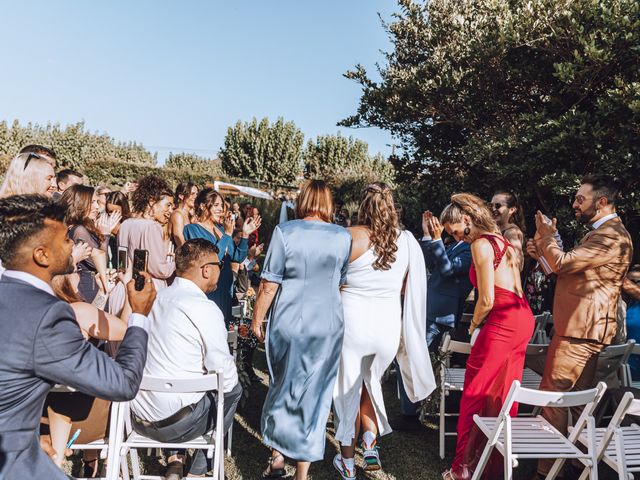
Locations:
(68, 267)
(586, 216)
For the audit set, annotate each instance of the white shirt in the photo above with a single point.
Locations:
(187, 339)
(604, 219)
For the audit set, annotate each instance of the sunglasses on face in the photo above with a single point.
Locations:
(219, 264)
(29, 158)
(497, 206)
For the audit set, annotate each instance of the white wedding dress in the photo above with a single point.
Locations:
(376, 331)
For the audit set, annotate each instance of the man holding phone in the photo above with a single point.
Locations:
(42, 344)
(589, 281)
(187, 339)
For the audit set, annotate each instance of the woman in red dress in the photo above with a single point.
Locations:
(506, 322)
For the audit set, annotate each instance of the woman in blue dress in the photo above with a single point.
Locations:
(306, 263)
(216, 225)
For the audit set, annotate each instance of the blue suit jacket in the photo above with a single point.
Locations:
(449, 284)
(42, 345)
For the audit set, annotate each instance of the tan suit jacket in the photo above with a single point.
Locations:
(589, 281)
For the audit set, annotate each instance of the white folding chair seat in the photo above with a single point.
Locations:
(517, 438)
(619, 446)
(105, 445)
(128, 441)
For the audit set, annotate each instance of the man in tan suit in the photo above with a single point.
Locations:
(589, 281)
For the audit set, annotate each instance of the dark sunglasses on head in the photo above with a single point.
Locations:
(29, 158)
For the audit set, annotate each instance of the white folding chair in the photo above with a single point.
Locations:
(128, 441)
(619, 446)
(452, 380)
(539, 336)
(517, 438)
(105, 445)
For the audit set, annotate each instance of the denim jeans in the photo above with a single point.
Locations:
(197, 423)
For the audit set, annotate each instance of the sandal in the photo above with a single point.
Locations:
(89, 468)
(466, 474)
(271, 472)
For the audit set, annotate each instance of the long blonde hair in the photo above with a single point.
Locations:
(20, 180)
(377, 211)
(474, 207)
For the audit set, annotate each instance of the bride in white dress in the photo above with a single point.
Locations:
(384, 260)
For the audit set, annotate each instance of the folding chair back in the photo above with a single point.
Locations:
(203, 383)
(628, 379)
(612, 362)
(539, 335)
(128, 441)
(105, 445)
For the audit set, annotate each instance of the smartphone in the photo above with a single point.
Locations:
(140, 260)
(123, 259)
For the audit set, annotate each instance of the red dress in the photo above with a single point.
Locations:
(496, 360)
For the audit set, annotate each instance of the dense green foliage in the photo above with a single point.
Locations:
(346, 165)
(74, 145)
(195, 164)
(523, 95)
(262, 151)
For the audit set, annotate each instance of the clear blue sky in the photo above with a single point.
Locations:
(176, 74)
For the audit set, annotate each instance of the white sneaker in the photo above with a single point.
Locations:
(371, 459)
(344, 472)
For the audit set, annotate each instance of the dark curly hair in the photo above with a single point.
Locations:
(150, 190)
(378, 212)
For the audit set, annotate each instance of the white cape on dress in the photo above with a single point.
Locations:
(413, 355)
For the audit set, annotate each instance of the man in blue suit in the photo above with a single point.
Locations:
(447, 289)
(41, 342)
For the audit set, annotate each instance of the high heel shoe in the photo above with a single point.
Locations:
(271, 472)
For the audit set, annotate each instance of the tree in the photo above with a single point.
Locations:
(345, 164)
(521, 95)
(193, 163)
(262, 151)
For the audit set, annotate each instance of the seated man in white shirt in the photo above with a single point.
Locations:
(187, 338)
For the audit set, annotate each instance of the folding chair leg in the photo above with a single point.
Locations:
(620, 455)
(229, 440)
(135, 464)
(593, 448)
(555, 469)
(508, 448)
(484, 458)
(441, 432)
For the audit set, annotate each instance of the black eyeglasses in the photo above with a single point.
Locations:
(219, 264)
(29, 158)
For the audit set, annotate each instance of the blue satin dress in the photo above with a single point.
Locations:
(229, 252)
(309, 260)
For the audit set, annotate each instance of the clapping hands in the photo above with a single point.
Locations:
(431, 226)
(544, 226)
(107, 223)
